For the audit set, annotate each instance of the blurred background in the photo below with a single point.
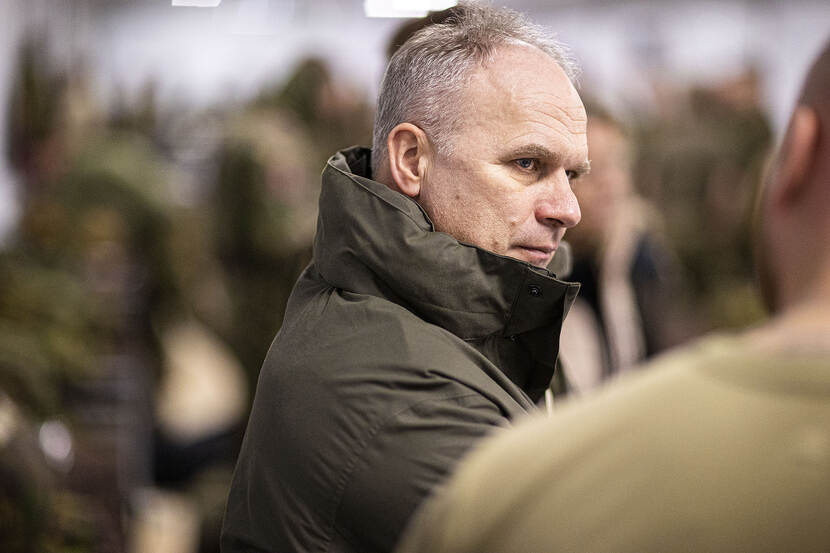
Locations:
(158, 183)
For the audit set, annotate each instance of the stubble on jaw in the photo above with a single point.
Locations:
(452, 213)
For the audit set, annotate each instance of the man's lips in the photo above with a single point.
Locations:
(539, 255)
(545, 249)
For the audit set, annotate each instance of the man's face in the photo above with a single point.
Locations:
(506, 185)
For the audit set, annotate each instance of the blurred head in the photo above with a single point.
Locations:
(479, 122)
(601, 193)
(793, 224)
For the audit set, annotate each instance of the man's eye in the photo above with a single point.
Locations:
(572, 175)
(526, 163)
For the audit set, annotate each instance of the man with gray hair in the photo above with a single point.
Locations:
(721, 446)
(427, 317)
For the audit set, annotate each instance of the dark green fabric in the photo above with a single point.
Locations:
(400, 349)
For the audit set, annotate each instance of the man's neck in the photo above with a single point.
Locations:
(802, 326)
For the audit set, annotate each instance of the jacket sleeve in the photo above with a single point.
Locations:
(406, 458)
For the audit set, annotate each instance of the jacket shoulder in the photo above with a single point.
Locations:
(361, 408)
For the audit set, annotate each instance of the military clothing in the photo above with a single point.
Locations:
(722, 447)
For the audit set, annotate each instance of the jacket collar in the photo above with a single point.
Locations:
(373, 240)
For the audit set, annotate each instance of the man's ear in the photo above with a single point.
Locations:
(798, 154)
(409, 155)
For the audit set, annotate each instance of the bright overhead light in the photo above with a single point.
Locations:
(404, 8)
(197, 3)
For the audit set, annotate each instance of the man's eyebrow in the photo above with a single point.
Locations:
(541, 152)
(583, 168)
(534, 151)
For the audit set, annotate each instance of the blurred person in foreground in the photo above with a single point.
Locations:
(427, 317)
(628, 307)
(723, 446)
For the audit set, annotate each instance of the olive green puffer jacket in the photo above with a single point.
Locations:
(401, 348)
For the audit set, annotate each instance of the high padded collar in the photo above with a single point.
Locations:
(373, 240)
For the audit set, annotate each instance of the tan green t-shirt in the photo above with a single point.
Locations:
(723, 446)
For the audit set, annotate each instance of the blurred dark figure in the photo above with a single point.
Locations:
(698, 163)
(35, 114)
(78, 275)
(263, 200)
(629, 306)
(91, 317)
(328, 112)
(263, 212)
(238, 252)
(722, 446)
(147, 276)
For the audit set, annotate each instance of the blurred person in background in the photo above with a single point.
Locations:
(703, 156)
(426, 318)
(263, 199)
(63, 319)
(147, 275)
(331, 113)
(629, 306)
(93, 324)
(721, 446)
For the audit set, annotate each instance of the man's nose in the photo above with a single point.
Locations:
(558, 206)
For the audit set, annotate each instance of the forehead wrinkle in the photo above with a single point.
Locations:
(557, 134)
(545, 108)
(514, 106)
(571, 116)
(566, 124)
(570, 133)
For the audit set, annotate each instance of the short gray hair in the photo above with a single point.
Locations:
(426, 76)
